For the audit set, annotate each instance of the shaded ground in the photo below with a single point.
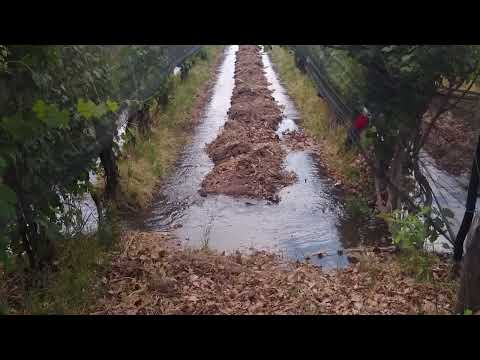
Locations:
(248, 156)
(153, 276)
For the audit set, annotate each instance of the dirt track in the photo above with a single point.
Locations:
(248, 155)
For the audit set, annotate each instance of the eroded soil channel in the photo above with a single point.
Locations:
(289, 206)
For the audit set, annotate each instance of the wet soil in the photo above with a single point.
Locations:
(248, 155)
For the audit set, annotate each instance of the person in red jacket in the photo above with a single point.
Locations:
(360, 123)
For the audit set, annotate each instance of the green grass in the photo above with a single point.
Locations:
(315, 115)
(357, 206)
(68, 287)
(150, 159)
(69, 290)
(418, 263)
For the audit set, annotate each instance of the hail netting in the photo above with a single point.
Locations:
(340, 81)
(137, 74)
(141, 72)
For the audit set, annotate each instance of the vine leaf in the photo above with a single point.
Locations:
(112, 106)
(86, 108)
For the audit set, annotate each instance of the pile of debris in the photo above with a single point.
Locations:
(299, 140)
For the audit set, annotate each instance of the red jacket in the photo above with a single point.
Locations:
(361, 122)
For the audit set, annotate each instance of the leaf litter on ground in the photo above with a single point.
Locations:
(152, 275)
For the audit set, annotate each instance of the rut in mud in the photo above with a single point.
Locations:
(248, 155)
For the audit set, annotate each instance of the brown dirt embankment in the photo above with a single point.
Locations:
(248, 155)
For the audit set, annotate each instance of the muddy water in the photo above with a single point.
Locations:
(309, 218)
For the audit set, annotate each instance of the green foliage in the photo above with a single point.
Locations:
(46, 147)
(69, 290)
(50, 115)
(418, 263)
(401, 81)
(367, 139)
(57, 115)
(410, 230)
(112, 106)
(352, 174)
(88, 109)
(396, 83)
(357, 206)
(141, 70)
(54, 124)
(203, 54)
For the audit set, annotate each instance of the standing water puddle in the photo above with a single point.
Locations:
(309, 218)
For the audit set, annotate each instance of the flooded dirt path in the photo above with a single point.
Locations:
(248, 154)
(309, 218)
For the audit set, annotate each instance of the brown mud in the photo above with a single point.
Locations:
(248, 155)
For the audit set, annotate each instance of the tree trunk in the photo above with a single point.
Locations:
(469, 208)
(105, 132)
(300, 63)
(380, 185)
(26, 233)
(423, 182)
(108, 160)
(145, 122)
(469, 291)
(98, 204)
(396, 172)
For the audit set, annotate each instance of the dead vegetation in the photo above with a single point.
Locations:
(151, 275)
(299, 140)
